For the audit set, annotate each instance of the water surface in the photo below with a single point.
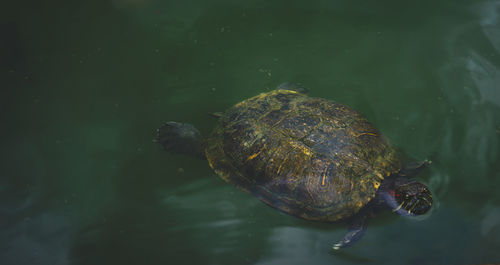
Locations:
(86, 83)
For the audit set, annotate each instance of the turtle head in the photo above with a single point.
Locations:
(409, 198)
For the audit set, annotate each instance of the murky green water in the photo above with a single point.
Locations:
(86, 83)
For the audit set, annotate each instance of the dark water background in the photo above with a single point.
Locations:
(84, 85)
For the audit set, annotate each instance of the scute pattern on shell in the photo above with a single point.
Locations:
(308, 157)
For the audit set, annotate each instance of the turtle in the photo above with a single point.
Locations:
(308, 157)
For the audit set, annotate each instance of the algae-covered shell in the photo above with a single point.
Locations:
(308, 157)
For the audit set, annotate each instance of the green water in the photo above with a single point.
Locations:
(86, 83)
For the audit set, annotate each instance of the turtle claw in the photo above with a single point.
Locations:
(337, 246)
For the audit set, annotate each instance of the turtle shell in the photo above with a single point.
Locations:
(309, 157)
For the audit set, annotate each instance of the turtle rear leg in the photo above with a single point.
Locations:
(181, 138)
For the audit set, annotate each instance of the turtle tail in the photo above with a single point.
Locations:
(181, 138)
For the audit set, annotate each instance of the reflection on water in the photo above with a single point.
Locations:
(470, 82)
(490, 224)
(489, 20)
(82, 183)
(486, 78)
(41, 239)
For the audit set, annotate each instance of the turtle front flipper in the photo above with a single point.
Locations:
(297, 87)
(355, 231)
(181, 138)
(413, 168)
